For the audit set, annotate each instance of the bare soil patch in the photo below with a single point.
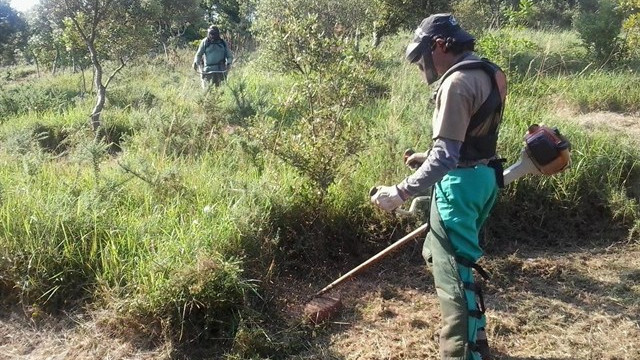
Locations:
(627, 125)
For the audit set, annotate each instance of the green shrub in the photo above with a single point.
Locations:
(599, 31)
(514, 54)
(475, 16)
(631, 25)
(32, 98)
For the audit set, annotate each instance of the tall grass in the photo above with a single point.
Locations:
(177, 228)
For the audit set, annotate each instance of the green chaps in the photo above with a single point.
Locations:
(461, 203)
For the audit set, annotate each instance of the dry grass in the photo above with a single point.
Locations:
(579, 304)
(574, 304)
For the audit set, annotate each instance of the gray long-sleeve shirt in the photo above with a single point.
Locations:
(443, 157)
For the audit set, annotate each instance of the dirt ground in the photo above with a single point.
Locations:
(578, 303)
(574, 304)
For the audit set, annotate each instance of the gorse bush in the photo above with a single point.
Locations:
(312, 128)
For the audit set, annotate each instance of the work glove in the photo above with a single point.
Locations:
(414, 160)
(387, 198)
(195, 66)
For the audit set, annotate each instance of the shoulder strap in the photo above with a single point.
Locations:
(207, 43)
(496, 98)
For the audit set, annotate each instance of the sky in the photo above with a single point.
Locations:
(23, 5)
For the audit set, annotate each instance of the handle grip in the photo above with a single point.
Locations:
(412, 165)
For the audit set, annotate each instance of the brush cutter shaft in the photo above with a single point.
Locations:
(212, 72)
(375, 258)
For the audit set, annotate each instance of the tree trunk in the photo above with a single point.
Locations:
(95, 114)
(35, 58)
(100, 88)
(376, 39)
(84, 81)
(55, 62)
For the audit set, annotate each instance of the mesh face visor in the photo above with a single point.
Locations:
(413, 52)
(421, 41)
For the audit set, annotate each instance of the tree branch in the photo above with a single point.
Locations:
(115, 72)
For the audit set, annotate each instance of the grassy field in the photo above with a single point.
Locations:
(181, 228)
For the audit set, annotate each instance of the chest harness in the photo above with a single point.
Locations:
(478, 147)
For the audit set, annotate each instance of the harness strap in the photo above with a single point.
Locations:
(477, 288)
(470, 264)
(474, 347)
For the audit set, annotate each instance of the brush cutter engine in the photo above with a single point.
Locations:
(547, 148)
(546, 152)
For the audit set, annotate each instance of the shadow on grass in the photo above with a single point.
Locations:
(567, 280)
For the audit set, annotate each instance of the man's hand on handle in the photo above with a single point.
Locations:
(414, 159)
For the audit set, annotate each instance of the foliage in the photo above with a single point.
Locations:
(392, 15)
(475, 16)
(522, 16)
(172, 18)
(13, 33)
(45, 45)
(599, 30)
(510, 52)
(631, 25)
(333, 18)
(312, 129)
(555, 14)
(228, 14)
(33, 98)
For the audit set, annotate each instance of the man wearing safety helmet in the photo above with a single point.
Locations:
(213, 58)
(464, 172)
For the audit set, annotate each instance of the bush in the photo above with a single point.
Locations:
(510, 52)
(475, 16)
(599, 31)
(33, 98)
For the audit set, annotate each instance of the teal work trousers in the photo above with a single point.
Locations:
(461, 203)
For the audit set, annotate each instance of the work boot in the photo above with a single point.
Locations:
(483, 345)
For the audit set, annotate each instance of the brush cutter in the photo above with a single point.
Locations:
(546, 152)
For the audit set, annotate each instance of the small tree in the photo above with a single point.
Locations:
(313, 129)
(599, 30)
(393, 15)
(110, 29)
